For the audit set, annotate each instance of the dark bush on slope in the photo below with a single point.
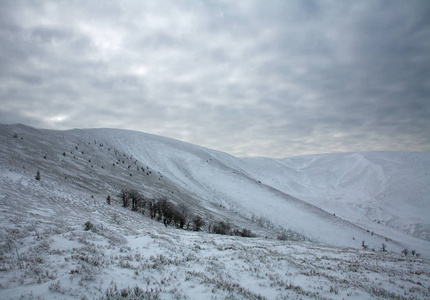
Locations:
(171, 214)
(243, 232)
(198, 223)
(221, 228)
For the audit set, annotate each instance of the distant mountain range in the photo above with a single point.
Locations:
(340, 199)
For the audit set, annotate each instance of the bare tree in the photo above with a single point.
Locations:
(152, 208)
(167, 210)
(136, 200)
(124, 196)
(198, 223)
(221, 228)
(181, 215)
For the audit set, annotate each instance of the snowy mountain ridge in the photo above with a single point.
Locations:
(382, 192)
(328, 206)
(363, 188)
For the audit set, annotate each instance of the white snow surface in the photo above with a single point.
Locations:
(333, 202)
(384, 192)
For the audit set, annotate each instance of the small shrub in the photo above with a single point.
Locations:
(221, 228)
(56, 287)
(282, 237)
(130, 293)
(334, 290)
(244, 232)
(88, 226)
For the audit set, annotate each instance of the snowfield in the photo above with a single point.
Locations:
(325, 206)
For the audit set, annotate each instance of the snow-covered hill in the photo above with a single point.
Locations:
(381, 192)
(339, 200)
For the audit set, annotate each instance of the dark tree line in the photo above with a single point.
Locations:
(161, 210)
(220, 227)
(175, 215)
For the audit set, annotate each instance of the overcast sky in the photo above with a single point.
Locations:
(251, 78)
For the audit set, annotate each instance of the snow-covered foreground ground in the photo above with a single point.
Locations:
(46, 253)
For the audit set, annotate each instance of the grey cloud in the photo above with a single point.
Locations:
(49, 35)
(249, 78)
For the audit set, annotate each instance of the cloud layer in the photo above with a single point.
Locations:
(251, 78)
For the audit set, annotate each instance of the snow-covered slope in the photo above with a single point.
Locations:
(381, 192)
(45, 251)
(375, 190)
(338, 199)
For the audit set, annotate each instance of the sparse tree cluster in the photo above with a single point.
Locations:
(172, 214)
(220, 228)
(224, 228)
(405, 252)
(243, 232)
(159, 209)
(133, 198)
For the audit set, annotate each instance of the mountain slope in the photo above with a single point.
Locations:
(46, 252)
(385, 192)
(302, 193)
(338, 199)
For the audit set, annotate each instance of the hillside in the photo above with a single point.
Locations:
(383, 192)
(326, 205)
